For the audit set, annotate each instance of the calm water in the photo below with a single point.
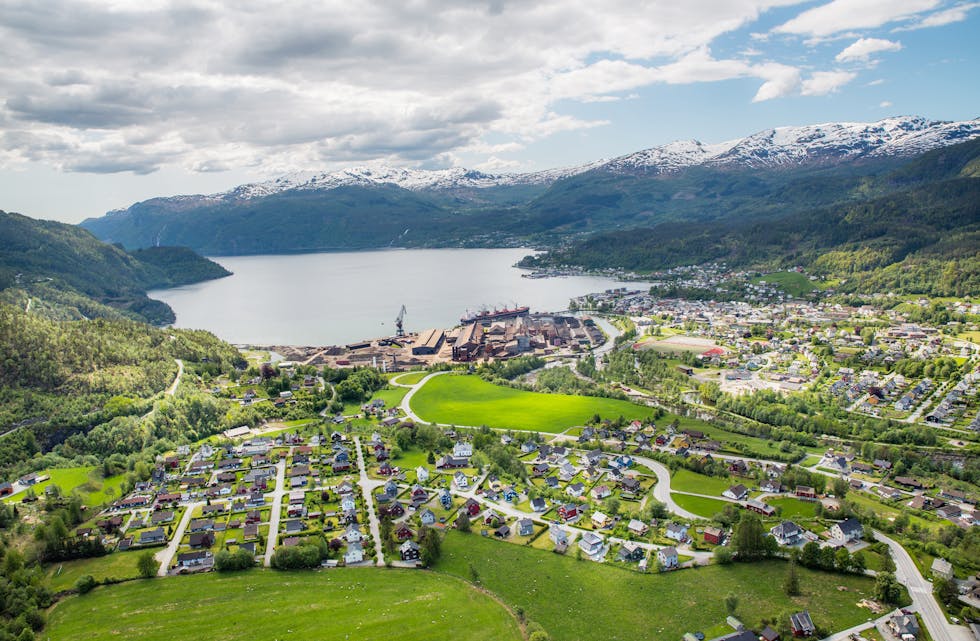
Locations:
(338, 298)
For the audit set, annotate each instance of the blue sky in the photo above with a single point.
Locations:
(108, 103)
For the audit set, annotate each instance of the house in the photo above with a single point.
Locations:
(676, 531)
(491, 517)
(502, 532)
(540, 469)
(575, 489)
(569, 511)
(631, 552)
(667, 557)
(637, 527)
(904, 626)
(600, 520)
(149, 537)
(201, 525)
(787, 533)
(419, 495)
(201, 558)
(736, 492)
(806, 492)
(201, 540)
(6, 488)
(355, 553)
(395, 510)
(801, 624)
(907, 481)
(594, 457)
(758, 506)
(463, 450)
(472, 507)
(445, 499)
(525, 527)
(558, 535)
(768, 634)
(427, 517)
(601, 492)
(713, 535)
(409, 551)
(847, 530)
(538, 505)
(451, 462)
(942, 568)
(422, 474)
(771, 486)
(351, 534)
(510, 494)
(403, 532)
(528, 446)
(949, 512)
(591, 543)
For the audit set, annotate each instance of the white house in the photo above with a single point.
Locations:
(355, 553)
(463, 450)
(422, 474)
(667, 557)
(676, 531)
(847, 530)
(591, 543)
(736, 492)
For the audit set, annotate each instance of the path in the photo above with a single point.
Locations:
(276, 509)
(180, 372)
(367, 487)
(921, 592)
(406, 407)
(166, 555)
(661, 491)
(844, 635)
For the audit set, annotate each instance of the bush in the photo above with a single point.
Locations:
(85, 584)
(294, 558)
(723, 555)
(225, 561)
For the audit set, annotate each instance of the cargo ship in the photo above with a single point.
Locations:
(486, 316)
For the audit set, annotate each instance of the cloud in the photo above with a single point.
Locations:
(885, 104)
(821, 83)
(952, 15)
(846, 15)
(865, 47)
(205, 86)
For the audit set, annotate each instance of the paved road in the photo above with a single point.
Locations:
(843, 635)
(367, 489)
(180, 372)
(921, 592)
(276, 510)
(405, 404)
(166, 555)
(661, 490)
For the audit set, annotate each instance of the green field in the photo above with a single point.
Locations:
(469, 400)
(89, 483)
(581, 601)
(699, 504)
(118, 565)
(793, 283)
(411, 378)
(264, 604)
(684, 480)
(794, 508)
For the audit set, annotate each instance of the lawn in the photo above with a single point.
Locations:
(264, 604)
(684, 480)
(469, 400)
(93, 489)
(580, 600)
(793, 283)
(699, 504)
(118, 565)
(411, 378)
(794, 508)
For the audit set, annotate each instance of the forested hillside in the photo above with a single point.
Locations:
(922, 237)
(76, 275)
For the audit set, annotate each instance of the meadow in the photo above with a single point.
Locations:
(580, 600)
(469, 400)
(699, 504)
(358, 604)
(88, 481)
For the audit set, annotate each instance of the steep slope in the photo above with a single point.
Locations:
(69, 265)
(921, 237)
(361, 207)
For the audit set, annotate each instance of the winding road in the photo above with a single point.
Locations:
(180, 372)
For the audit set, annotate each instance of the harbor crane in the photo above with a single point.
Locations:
(399, 329)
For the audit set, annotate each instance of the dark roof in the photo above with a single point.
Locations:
(801, 621)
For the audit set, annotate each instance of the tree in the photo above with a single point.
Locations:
(887, 589)
(85, 583)
(146, 565)
(791, 584)
(731, 603)
(810, 557)
(842, 559)
(431, 546)
(945, 591)
(887, 562)
(723, 555)
(225, 561)
(858, 563)
(748, 538)
(463, 522)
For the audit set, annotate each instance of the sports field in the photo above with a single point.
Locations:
(469, 400)
(361, 604)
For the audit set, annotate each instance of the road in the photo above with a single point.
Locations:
(844, 635)
(180, 372)
(405, 404)
(166, 555)
(276, 510)
(611, 332)
(921, 592)
(661, 491)
(367, 488)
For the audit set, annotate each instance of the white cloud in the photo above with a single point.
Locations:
(844, 15)
(958, 13)
(885, 104)
(780, 81)
(865, 47)
(821, 83)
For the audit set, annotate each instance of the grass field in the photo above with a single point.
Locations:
(699, 504)
(93, 489)
(263, 604)
(581, 601)
(794, 508)
(469, 400)
(685, 480)
(118, 565)
(411, 378)
(793, 283)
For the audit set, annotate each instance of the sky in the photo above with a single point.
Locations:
(103, 104)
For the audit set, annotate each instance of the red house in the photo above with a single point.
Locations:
(805, 492)
(713, 535)
(568, 511)
(472, 507)
(403, 532)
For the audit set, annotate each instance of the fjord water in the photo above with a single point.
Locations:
(343, 297)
